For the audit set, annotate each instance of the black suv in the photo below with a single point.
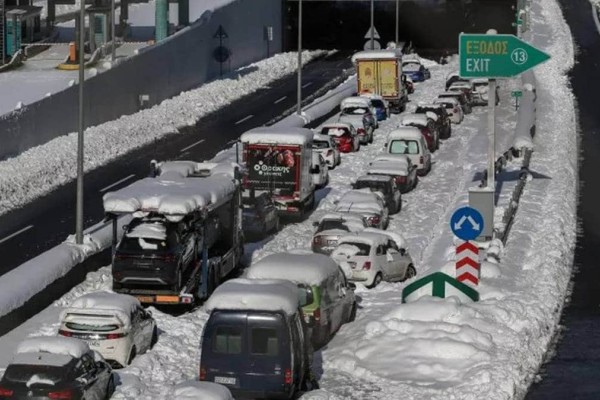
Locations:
(443, 122)
(154, 251)
(385, 185)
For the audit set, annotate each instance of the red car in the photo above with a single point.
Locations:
(425, 126)
(344, 135)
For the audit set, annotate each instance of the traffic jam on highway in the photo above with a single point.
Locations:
(190, 224)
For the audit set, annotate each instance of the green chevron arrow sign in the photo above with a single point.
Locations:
(496, 56)
(441, 285)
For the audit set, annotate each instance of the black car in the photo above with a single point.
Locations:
(385, 185)
(443, 122)
(41, 376)
(259, 215)
(461, 97)
(154, 251)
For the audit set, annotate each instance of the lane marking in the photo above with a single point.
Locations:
(339, 64)
(244, 119)
(191, 145)
(306, 85)
(280, 100)
(12, 235)
(117, 183)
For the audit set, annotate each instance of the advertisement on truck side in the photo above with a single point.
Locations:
(273, 167)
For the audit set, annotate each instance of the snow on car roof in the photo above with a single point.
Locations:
(372, 239)
(355, 101)
(395, 236)
(371, 178)
(358, 196)
(308, 269)
(149, 230)
(255, 294)
(386, 167)
(273, 135)
(193, 168)
(321, 138)
(377, 54)
(55, 350)
(451, 100)
(96, 304)
(337, 125)
(170, 195)
(460, 84)
(405, 132)
(418, 119)
(194, 390)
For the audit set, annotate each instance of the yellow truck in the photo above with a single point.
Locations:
(380, 72)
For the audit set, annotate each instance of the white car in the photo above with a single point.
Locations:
(114, 325)
(366, 203)
(325, 145)
(319, 171)
(408, 141)
(371, 257)
(453, 108)
(481, 88)
(332, 226)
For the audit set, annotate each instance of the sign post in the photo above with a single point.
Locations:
(516, 94)
(467, 224)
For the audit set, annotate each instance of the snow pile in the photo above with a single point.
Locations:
(277, 135)
(41, 169)
(194, 390)
(262, 295)
(54, 345)
(38, 380)
(309, 269)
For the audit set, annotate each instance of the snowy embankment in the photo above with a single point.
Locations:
(41, 169)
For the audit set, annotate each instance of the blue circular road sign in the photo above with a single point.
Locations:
(466, 223)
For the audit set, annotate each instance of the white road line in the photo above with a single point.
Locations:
(16, 233)
(280, 100)
(306, 85)
(244, 119)
(191, 145)
(116, 183)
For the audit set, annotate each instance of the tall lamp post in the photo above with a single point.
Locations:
(299, 89)
(397, 20)
(112, 31)
(79, 207)
(372, 25)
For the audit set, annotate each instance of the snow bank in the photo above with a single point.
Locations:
(55, 345)
(41, 169)
(309, 269)
(248, 294)
(121, 306)
(195, 390)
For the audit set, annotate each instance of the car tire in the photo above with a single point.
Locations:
(154, 336)
(411, 272)
(376, 281)
(132, 355)
(352, 315)
(110, 388)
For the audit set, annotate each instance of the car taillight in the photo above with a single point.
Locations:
(367, 265)
(400, 179)
(114, 336)
(62, 394)
(6, 392)
(421, 160)
(361, 131)
(317, 314)
(288, 376)
(374, 220)
(62, 332)
(202, 375)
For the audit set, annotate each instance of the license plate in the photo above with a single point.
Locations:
(93, 343)
(225, 380)
(145, 299)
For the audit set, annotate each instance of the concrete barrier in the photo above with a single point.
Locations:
(181, 62)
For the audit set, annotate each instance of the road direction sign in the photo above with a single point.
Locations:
(375, 33)
(516, 93)
(466, 223)
(220, 33)
(496, 56)
(467, 263)
(376, 45)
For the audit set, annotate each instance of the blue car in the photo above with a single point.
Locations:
(416, 71)
(380, 105)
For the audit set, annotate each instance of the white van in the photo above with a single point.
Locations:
(408, 141)
(114, 325)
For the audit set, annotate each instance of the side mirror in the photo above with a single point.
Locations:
(402, 252)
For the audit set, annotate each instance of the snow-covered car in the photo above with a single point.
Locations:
(114, 325)
(385, 185)
(408, 141)
(368, 204)
(56, 368)
(360, 123)
(453, 109)
(361, 102)
(453, 77)
(381, 106)
(400, 168)
(408, 84)
(467, 89)
(319, 171)
(371, 257)
(427, 127)
(331, 226)
(259, 215)
(443, 121)
(194, 390)
(344, 134)
(325, 145)
(461, 97)
(413, 68)
(481, 89)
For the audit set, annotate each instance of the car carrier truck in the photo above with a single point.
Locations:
(279, 161)
(185, 236)
(380, 72)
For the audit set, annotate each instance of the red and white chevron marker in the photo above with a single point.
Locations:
(467, 263)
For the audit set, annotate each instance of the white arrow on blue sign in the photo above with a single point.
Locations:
(466, 223)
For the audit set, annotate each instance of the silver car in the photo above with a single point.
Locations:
(332, 226)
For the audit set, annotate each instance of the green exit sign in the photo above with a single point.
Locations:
(516, 93)
(496, 56)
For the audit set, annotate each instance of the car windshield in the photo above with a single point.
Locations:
(328, 224)
(411, 67)
(378, 103)
(404, 147)
(74, 326)
(23, 373)
(373, 185)
(141, 244)
(320, 144)
(354, 111)
(363, 249)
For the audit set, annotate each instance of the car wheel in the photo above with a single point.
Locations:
(154, 336)
(411, 272)
(110, 388)
(352, 315)
(376, 281)
(132, 355)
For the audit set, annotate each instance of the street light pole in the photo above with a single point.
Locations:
(79, 206)
(397, 20)
(372, 25)
(112, 30)
(299, 89)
